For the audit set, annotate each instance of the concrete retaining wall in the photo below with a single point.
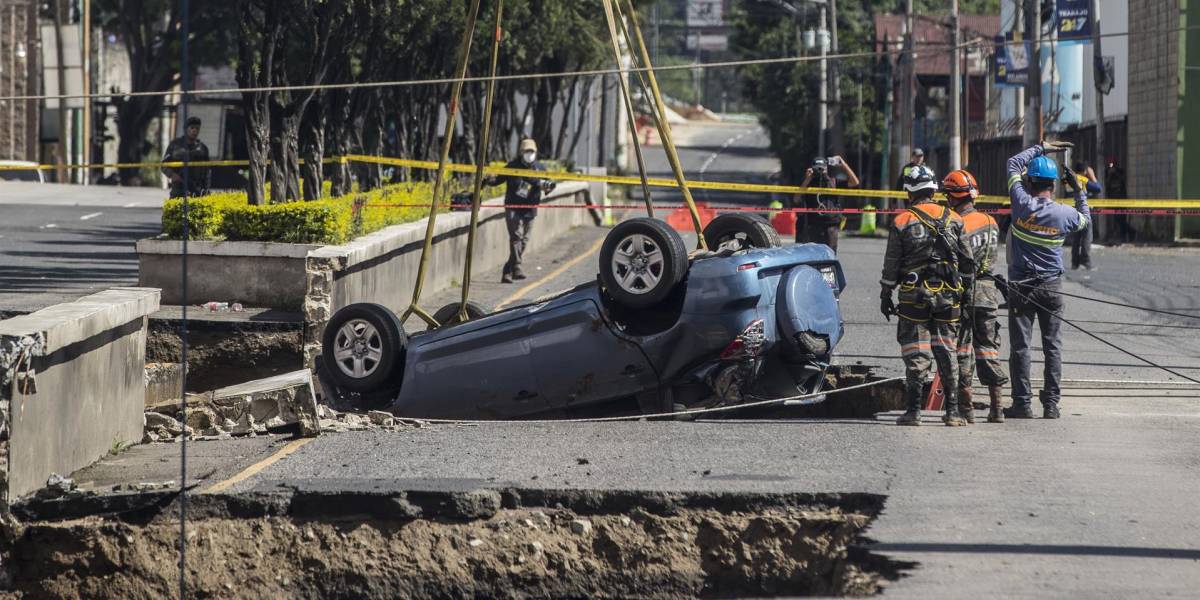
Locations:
(74, 384)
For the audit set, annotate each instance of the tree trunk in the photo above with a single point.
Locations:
(337, 102)
(134, 116)
(312, 148)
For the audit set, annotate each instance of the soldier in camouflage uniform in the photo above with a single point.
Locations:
(979, 336)
(927, 259)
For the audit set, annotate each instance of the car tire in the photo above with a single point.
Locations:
(749, 230)
(641, 261)
(363, 348)
(449, 314)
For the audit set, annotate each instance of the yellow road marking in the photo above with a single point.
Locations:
(257, 467)
(517, 295)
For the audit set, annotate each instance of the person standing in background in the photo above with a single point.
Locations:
(188, 148)
(1081, 244)
(522, 194)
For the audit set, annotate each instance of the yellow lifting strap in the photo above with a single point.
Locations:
(441, 185)
(481, 162)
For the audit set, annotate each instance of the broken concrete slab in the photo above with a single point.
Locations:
(78, 386)
(272, 402)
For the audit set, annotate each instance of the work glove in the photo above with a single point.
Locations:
(886, 306)
(1050, 147)
(1070, 180)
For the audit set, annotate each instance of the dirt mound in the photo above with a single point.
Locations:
(514, 553)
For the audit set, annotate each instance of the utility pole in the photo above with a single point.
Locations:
(64, 144)
(1101, 160)
(955, 90)
(1033, 89)
(823, 94)
(1019, 27)
(86, 136)
(908, 85)
(839, 143)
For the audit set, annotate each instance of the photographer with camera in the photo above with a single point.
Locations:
(819, 226)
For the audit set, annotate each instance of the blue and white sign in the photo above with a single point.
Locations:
(1073, 20)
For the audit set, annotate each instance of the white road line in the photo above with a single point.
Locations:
(130, 205)
(709, 161)
(91, 216)
(49, 226)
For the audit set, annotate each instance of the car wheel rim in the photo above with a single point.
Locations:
(358, 349)
(638, 264)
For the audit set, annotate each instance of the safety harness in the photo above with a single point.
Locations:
(939, 276)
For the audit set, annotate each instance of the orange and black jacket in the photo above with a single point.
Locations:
(913, 248)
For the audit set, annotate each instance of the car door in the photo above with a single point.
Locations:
(577, 359)
(483, 372)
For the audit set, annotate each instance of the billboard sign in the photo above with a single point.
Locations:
(705, 13)
(1012, 61)
(1073, 20)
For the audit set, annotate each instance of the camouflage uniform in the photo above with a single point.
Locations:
(930, 295)
(980, 334)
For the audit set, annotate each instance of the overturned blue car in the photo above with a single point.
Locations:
(674, 331)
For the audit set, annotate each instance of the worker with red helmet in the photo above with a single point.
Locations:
(979, 336)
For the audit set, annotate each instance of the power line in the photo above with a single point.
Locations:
(976, 43)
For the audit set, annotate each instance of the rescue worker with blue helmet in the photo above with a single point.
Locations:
(1040, 225)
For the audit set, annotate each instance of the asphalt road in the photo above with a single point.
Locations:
(730, 152)
(61, 242)
(1097, 504)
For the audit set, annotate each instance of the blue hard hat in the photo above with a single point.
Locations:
(1042, 167)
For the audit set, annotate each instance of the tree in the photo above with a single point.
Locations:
(152, 34)
(261, 28)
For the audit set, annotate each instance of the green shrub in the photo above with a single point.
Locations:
(205, 215)
(328, 221)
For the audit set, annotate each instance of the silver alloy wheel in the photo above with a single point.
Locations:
(358, 348)
(638, 264)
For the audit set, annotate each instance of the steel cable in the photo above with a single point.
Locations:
(1058, 315)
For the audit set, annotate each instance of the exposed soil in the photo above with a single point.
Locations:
(518, 552)
(226, 354)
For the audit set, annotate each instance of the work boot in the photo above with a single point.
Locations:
(912, 402)
(952, 418)
(1019, 411)
(1050, 410)
(995, 412)
(966, 405)
(506, 278)
(518, 274)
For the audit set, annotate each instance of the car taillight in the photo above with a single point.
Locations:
(748, 266)
(829, 274)
(748, 344)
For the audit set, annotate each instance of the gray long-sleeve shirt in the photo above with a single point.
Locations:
(1040, 225)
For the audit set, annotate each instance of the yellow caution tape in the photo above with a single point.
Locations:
(621, 180)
